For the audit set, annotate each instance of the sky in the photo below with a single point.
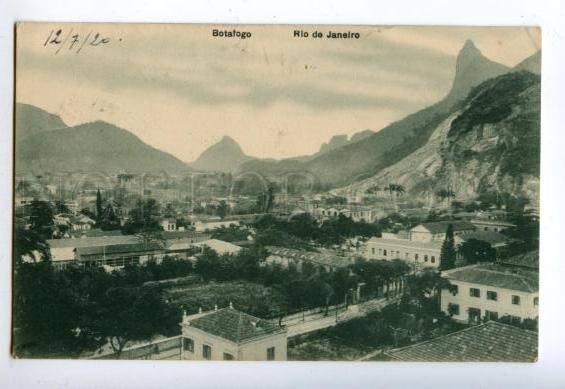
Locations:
(180, 89)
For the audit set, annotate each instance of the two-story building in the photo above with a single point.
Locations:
(229, 334)
(416, 253)
(490, 291)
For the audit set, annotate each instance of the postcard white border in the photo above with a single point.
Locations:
(548, 372)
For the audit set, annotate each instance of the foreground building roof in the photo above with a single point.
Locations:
(493, 274)
(489, 342)
(234, 325)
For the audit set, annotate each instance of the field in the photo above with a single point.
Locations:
(255, 299)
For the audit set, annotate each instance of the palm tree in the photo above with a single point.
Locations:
(444, 194)
(397, 189)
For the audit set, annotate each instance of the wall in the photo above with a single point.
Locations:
(257, 350)
(503, 306)
(219, 345)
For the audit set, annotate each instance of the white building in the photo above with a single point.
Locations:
(228, 334)
(168, 224)
(490, 291)
(416, 253)
(355, 212)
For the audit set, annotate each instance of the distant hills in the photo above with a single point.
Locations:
(531, 64)
(31, 120)
(95, 147)
(489, 107)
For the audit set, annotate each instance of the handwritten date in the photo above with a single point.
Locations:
(74, 41)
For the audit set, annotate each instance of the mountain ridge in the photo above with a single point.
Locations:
(353, 162)
(95, 146)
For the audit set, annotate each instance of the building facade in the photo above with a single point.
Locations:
(490, 291)
(415, 253)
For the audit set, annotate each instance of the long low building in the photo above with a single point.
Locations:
(118, 251)
(416, 253)
(119, 255)
(285, 257)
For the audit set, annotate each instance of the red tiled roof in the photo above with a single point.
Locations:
(489, 342)
(234, 325)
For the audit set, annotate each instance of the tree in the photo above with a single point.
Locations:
(49, 313)
(143, 218)
(41, 219)
(131, 314)
(448, 253)
(474, 250)
(87, 212)
(30, 244)
(110, 219)
(222, 209)
(98, 206)
(61, 207)
(394, 190)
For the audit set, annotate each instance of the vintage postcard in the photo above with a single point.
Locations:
(276, 192)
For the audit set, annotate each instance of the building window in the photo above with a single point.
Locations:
(416, 257)
(489, 315)
(271, 354)
(384, 252)
(515, 300)
(454, 289)
(474, 315)
(492, 295)
(453, 309)
(228, 357)
(474, 292)
(536, 301)
(188, 344)
(206, 352)
(433, 259)
(373, 251)
(425, 258)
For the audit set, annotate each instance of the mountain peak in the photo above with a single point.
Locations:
(224, 156)
(469, 45)
(472, 68)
